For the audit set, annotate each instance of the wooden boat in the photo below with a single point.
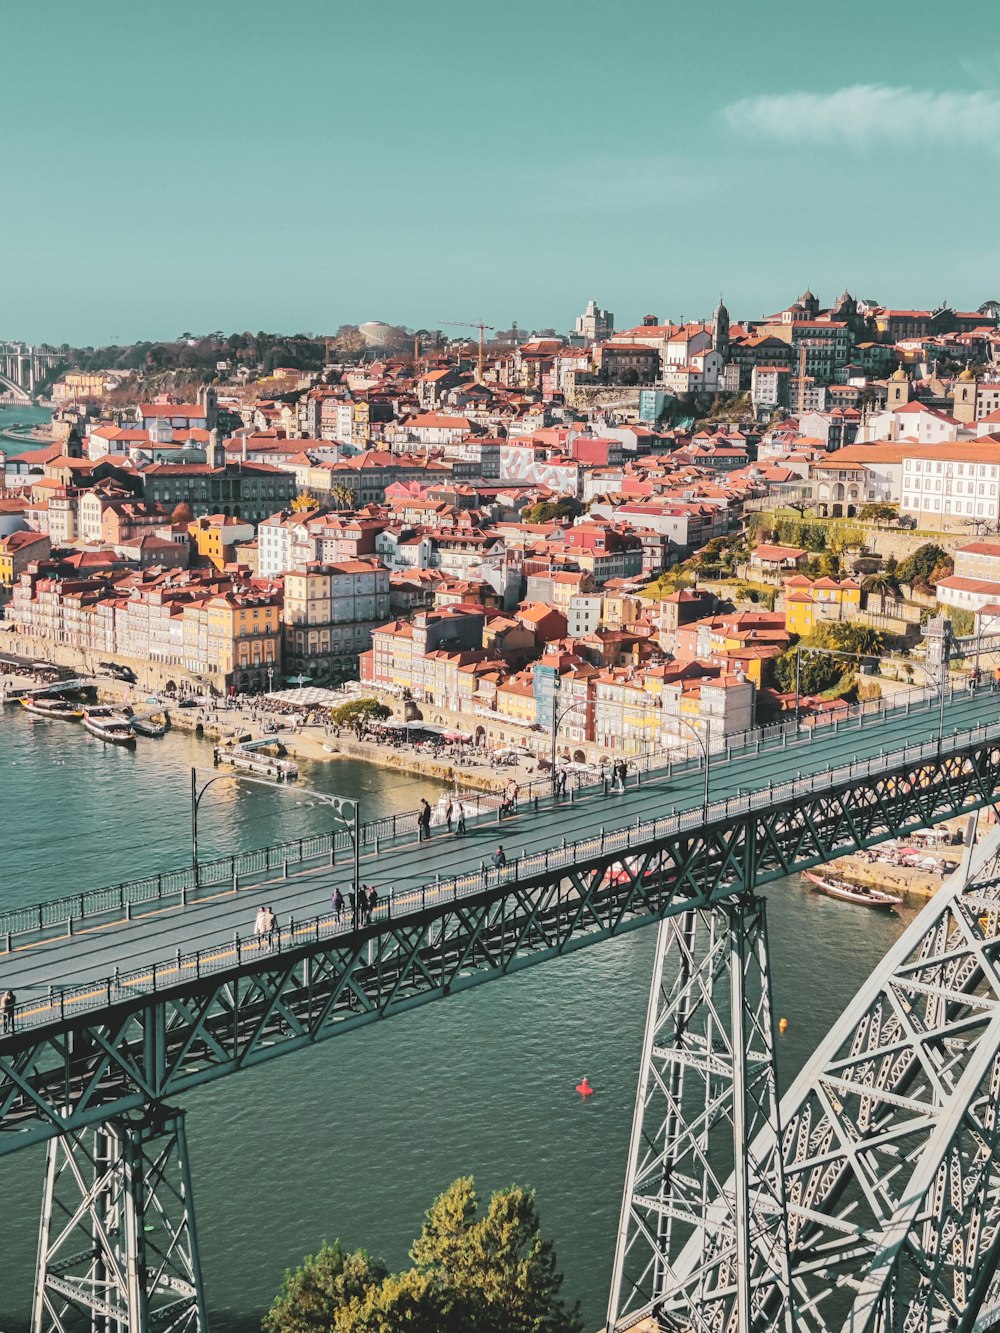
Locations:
(859, 894)
(52, 707)
(109, 726)
(148, 726)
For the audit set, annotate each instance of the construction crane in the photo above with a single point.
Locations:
(464, 324)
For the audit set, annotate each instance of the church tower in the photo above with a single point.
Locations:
(964, 396)
(897, 389)
(720, 330)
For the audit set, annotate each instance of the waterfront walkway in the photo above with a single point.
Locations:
(407, 871)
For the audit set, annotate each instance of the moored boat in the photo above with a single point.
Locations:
(109, 726)
(55, 707)
(148, 726)
(859, 894)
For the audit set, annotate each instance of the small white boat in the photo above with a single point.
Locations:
(263, 765)
(149, 726)
(108, 726)
(52, 707)
(859, 894)
(468, 803)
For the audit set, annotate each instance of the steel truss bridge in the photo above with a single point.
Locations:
(120, 1014)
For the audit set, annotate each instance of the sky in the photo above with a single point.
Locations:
(295, 166)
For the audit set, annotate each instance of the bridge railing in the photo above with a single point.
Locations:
(132, 898)
(629, 839)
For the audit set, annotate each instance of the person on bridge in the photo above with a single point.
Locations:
(424, 821)
(259, 927)
(372, 900)
(499, 859)
(7, 1003)
(449, 813)
(460, 826)
(337, 902)
(270, 925)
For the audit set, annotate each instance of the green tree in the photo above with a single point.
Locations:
(473, 1271)
(493, 1271)
(551, 511)
(359, 713)
(853, 637)
(878, 512)
(312, 1295)
(925, 564)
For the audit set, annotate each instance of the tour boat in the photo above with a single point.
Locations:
(107, 725)
(263, 765)
(859, 894)
(52, 707)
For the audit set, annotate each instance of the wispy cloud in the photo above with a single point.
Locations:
(869, 115)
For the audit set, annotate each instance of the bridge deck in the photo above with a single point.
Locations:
(95, 952)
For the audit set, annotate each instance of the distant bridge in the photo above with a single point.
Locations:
(22, 367)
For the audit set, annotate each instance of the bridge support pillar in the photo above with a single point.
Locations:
(117, 1249)
(707, 1088)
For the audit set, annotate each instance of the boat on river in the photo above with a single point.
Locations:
(263, 765)
(110, 726)
(52, 706)
(861, 895)
(153, 726)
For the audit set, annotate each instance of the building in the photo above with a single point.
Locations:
(809, 602)
(249, 491)
(595, 324)
(329, 613)
(17, 551)
(960, 480)
(215, 537)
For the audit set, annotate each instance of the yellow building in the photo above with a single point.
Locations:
(215, 537)
(243, 637)
(810, 603)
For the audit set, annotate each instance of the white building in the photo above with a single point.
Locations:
(594, 325)
(957, 480)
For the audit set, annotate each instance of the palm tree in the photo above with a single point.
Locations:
(881, 584)
(343, 495)
(864, 640)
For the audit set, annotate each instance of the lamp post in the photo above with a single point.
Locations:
(706, 750)
(353, 827)
(557, 718)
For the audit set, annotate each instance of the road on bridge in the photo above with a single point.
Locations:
(93, 953)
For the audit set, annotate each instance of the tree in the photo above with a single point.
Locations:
(878, 512)
(359, 713)
(182, 513)
(884, 583)
(852, 637)
(342, 494)
(473, 1271)
(551, 511)
(925, 564)
(494, 1272)
(312, 1295)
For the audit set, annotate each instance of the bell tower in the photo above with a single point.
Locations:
(897, 389)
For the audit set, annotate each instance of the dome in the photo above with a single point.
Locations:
(899, 374)
(967, 376)
(375, 332)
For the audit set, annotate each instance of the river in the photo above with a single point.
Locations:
(354, 1138)
(25, 416)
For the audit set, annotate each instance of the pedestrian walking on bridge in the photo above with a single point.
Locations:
(499, 859)
(424, 821)
(337, 902)
(7, 1003)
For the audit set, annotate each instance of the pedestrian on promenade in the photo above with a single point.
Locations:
(424, 820)
(460, 826)
(372, 900)
(448, 813)
(352, 895)
(337, 901)
(7, 1003)
(270, 925)
(499, 859)
(259, 927)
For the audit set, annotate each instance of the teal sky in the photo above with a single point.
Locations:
(200, 164)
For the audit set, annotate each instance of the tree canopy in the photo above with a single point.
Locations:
(925, 566)
(359, 712)
(476, 1270)
(550, 511)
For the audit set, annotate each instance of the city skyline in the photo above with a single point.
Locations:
(233, 171)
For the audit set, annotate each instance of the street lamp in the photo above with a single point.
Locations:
(270, 678)
(557, 718)
(706, 750)
(351, 825)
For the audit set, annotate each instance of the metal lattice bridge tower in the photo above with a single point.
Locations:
(866, 1199)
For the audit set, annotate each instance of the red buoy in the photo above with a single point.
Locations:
(584, 1088)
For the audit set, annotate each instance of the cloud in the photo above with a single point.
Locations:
(869, 115)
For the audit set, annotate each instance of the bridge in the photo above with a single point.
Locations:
(22, 367)
(130, 997)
